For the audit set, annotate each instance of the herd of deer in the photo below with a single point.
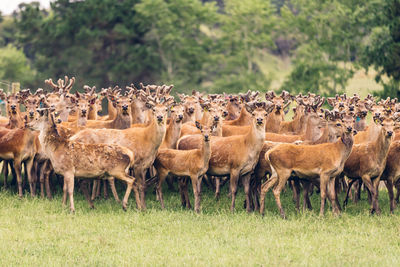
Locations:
(147, 138)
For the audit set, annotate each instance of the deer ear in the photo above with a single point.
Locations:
(198, 125)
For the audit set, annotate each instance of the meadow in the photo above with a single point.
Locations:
(35, 231)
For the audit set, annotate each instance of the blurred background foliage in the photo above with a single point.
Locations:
(324, 46)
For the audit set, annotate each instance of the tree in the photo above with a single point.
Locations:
(383, 48)
(176, 36)
(330, 34)
(14, 66)
(245, 34)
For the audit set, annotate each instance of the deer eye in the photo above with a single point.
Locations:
(338, 124)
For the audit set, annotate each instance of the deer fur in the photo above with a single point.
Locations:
(323, 161)
(73, 159)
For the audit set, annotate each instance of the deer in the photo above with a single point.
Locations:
(367, 161)
(237, 155)
(323, 161)
(73, 159)
(233, 107)
(185, 163)
(391, 173)
(277, 115)
(143, 141)
(174, 128)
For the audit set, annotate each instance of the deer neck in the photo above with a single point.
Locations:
(244, 117)
(381, 144)
(206, 152)
(92, 112)
(49, 138)
(138, 115)
(325, 137)
(172, 133)
(256, 136)
(81, 121)
(156, 132)
(112, 111)
(15, 121)
(64, 115)
(312, 131)
(122, 121)
(205, 118)
(218, 129)
(231, 112)
(189, 117)
(360, 124)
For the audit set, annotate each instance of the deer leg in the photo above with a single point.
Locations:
(264, 189)
(368, 183)
(234, 175)
(129, 185)
(323, 187)
(397, 185)
(35, 176)
(94, 189)
(105, 191)
(332, 186)
(296, 192)
(196, 193)
(246, 184)
(375, 195)
(282, 179)
(141, 180)
(69, 180)
(170, 182)
(84, 188)
(306, 197)
(28, 169)
(217, 187)
(111, 181)
(162, 174)
(389, 186)
(65, 189)
(41, 179)
(17, 168)
(98, 189)
(48, 170)
(347, 193)
(4, 171)
(181, 189)
(186, 193)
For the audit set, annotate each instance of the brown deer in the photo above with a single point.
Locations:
(391, 173)
(367, 161)
(73, 159)
(323, 161)
(275, 118)
(235, 156)
(143, 141)
(192, 163)
(174, 128)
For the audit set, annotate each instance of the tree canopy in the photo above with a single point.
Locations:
(216, 46)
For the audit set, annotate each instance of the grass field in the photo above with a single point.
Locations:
(36, 231)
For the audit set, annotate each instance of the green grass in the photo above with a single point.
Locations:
(36, 231)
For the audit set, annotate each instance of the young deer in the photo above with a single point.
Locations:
(367, 161)
(73, 159)
(234, 155)
(323, 161)
(143, 141)
(192, 163)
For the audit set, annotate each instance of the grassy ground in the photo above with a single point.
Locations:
(36, 231)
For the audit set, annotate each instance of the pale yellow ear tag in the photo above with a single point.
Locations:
(388, 109)
(172, 108)
(294, 101)
(205, 109)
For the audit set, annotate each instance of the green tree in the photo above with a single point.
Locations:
(245, 34)
(382, 50)
(14, 66)
(329, 35)
(176, 36)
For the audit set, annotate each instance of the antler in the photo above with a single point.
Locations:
(62, 85)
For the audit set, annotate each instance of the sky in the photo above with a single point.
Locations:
(8, 6)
